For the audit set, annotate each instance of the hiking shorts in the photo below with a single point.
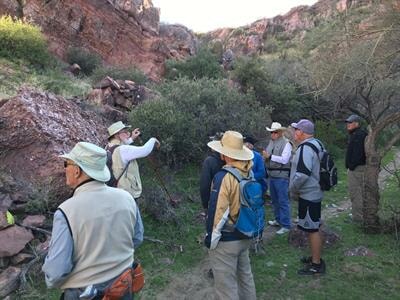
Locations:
(309, 215)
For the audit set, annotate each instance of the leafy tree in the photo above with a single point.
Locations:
(361, 74)
(272, 87)
(189, 111)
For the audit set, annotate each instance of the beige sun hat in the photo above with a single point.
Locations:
(91, 159)
(275, 126)
(232, 146)
(116, 127)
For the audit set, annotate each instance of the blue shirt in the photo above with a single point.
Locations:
(259, 170)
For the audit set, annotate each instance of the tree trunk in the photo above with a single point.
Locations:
(371, 188)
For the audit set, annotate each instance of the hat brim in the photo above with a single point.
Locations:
(242, 154)
(126, 126)
(99, 175)
(275, 129)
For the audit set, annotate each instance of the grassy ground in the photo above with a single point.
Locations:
(348, 277)
(14, 74)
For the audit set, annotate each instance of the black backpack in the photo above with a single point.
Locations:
(110, 150)
(328, 177)
(113, 182)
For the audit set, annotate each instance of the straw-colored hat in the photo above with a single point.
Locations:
(232, 146)
(275, 126)
(116, 127)
(91, 159)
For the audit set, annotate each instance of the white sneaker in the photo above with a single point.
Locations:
(273, 223)
(283, 230)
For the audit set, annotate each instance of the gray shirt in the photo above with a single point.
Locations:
(304, 174)
(58, 263)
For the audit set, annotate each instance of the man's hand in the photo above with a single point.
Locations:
(135, 133)
(266, 155)
(157, 144)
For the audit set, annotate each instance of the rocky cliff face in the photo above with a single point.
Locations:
(128, 32)
(250, 39)
(122, 32)
(36, 127)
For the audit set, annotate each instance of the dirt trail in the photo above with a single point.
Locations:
(195, 283)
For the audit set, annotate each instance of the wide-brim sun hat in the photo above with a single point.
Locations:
(116, 127)
(231, 145)
(91, 159)
(275, 126)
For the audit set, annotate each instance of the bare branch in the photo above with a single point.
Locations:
(390, 144)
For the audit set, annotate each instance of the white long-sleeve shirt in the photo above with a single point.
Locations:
(285, 156)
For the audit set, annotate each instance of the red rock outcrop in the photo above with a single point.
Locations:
(123, 32)
(36, 127)
(250, 39)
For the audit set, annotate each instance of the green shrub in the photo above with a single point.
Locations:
(57, 82)
(188, 112)
(116, 73)
(86, 60)
(20, 40)
(204, 64)
(333, 136)
(276, 91)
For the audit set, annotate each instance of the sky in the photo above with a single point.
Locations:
(207, 15)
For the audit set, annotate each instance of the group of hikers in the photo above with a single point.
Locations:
(96, 231)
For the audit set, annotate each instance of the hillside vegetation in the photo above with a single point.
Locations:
(349, 64)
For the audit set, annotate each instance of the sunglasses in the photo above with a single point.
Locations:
(66, 164)
(273, 132)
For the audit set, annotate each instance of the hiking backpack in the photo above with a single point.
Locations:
(110, 150)
(251, 213)
(328, 171)
(113, 182)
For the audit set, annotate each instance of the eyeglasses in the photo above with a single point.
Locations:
(274, 132)
(66, 164)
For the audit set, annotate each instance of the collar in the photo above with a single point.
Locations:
(87, 184)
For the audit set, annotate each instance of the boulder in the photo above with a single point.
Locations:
(36, 127)
(13, 240)
(34, 221)
(9, 281)
(359, 251)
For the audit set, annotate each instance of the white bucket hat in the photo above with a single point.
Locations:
(91, 159)
(232, 146)
(275, 126)
(116, 127)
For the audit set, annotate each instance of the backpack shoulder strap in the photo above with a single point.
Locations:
(312, 146)
(111, 148)
(235, 172)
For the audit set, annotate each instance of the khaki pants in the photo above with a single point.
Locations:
(232, 271)
(355, 181)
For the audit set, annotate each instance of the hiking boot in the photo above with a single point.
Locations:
(283, 230)
(306, 259)
(273, 223)
(313, 269)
